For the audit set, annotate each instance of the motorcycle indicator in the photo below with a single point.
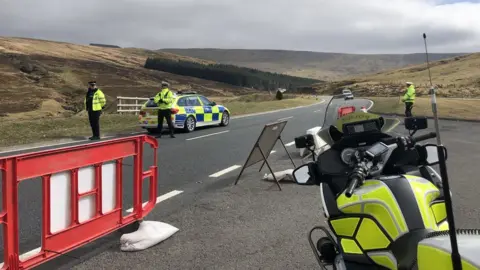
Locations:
(347, 155)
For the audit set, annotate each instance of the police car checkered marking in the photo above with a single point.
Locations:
(207, 109)
(180, 117)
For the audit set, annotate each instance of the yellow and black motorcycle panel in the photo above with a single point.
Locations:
(387, 215)
(435, 252)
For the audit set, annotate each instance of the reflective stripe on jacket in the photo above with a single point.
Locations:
(166, 96)
(99, 101)
(409, 95)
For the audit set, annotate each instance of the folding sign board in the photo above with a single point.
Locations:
(264, 145)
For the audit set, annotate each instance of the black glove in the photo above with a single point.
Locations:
(405, 143)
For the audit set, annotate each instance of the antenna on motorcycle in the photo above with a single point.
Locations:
(456, 259)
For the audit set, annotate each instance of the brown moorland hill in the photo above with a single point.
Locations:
(40, 78)
(316, 65)
(457, 77)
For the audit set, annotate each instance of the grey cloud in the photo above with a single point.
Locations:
(369, 26)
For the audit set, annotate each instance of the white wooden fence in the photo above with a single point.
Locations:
(128, 105)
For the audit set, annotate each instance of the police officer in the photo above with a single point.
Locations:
(164, 99)
(409, 99)
(94, 104)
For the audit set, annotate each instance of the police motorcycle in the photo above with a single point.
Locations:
(385, 206)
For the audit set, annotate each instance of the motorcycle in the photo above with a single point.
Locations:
(384, 203)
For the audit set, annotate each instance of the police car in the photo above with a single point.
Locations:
(189, 110)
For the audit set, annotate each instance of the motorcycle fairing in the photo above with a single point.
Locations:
(435, 253)
(379, 214)
(357, 117)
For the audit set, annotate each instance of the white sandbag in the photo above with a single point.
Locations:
(282, 175)
(148, 234)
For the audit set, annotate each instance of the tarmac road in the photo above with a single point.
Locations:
(209, 202)
(185, 163)
(253, 226)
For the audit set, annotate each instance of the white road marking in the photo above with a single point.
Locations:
(27, 255)
(290, 143)
(393, 126)
(371, 105)
(227, 170)
(208, 135)
(162, 198)
(318, 111)
(285, 118)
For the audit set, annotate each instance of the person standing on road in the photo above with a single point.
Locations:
(94, 104)
(409, 99)
(164, 99)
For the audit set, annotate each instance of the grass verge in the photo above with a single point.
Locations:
(51, 129)
(461, 109)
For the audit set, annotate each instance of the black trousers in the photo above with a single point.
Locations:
(94, 119)
(168, 115)
(408, 109)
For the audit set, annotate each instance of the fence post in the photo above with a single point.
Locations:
(119, 105)
(136, 105)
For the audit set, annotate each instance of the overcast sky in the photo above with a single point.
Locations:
(354, 26)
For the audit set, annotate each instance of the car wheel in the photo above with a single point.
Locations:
(225, 119)
(189, 124)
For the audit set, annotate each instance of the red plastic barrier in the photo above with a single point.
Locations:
(47, 163)
(342, 111)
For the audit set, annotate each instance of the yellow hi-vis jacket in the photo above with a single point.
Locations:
(164, 99)
(409, 95)
(99, 101)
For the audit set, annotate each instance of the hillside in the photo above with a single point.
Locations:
(233, 75)
(455, 77)
(317, 65)
(45, 78)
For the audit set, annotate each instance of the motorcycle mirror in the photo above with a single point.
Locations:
(431, 151)
(301, 174)
(416, 123)
(304, 141)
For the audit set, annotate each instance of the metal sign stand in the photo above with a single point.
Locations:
(286, 150)
(278, 128)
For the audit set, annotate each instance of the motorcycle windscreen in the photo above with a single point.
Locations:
(340, 111)
(338, 107)
(390, 124)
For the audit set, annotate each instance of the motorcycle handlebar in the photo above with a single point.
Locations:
(356, 179)
(415, 139)
(351, 186)
(424, 137)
